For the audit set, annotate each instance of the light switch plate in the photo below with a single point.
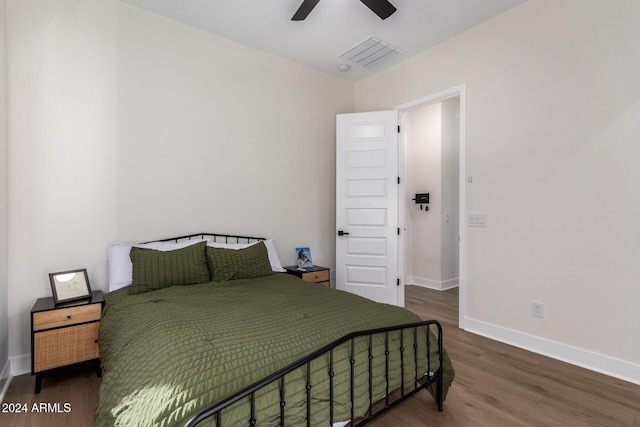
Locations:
(477, 220)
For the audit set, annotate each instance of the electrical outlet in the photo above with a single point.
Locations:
(537, 309)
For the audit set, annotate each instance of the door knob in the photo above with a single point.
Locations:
(342, 233)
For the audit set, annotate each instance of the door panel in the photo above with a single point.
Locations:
(366, 276)
(366, 159)
(371, 246)
(367, 217)
(367, 188)
(367, 204)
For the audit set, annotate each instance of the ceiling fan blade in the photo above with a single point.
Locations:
(305, 9)
(382, 8)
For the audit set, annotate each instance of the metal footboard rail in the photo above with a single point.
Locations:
(420, 382)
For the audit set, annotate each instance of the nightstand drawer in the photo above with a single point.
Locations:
(66, 316)
(316, 276)
(64, 346)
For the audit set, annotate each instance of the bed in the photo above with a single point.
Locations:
(270, 350)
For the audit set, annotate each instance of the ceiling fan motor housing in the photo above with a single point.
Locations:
(382, 8)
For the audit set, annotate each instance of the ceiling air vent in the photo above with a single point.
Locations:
(371, 52)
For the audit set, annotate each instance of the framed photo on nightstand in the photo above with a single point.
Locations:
(303, 255)
(70, 285)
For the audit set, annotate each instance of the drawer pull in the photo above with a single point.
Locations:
(68, 317)
(96, 341)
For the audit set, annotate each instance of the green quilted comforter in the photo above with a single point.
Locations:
(169, 353)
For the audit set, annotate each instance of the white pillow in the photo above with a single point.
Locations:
(120, 267)
(271, 251)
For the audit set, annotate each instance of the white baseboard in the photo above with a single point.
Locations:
(432, 284)
(20, 364)
(601, 363)
(5, 379)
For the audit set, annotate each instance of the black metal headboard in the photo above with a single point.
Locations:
(215, 237)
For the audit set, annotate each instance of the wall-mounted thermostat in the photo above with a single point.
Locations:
(422, 198)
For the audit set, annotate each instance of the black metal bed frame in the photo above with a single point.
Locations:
(420, 382)
(216, 237)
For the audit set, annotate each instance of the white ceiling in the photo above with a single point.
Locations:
(332, 28)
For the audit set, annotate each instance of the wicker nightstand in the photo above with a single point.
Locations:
(64, 336)
(315, 274)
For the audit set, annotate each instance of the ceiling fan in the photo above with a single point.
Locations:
(382, 8)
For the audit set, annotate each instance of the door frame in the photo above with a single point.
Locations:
(460, 91)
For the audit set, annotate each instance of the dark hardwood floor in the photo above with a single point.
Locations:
(500, 385)
(495, 385)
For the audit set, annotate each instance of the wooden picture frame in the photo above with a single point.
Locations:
(70, 285)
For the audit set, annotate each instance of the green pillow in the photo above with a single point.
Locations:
(154, 269)
(232, 264)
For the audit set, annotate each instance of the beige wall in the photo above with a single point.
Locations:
(450, 211)
(4, 306)
(432, 158)
(553, 100)
(126, 126)
(423, 152)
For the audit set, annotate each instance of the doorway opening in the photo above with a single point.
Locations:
(432, 248)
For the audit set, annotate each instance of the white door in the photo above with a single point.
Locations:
(367, 205)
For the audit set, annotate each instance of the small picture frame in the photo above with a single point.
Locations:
(70, 285)
(303, 257)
